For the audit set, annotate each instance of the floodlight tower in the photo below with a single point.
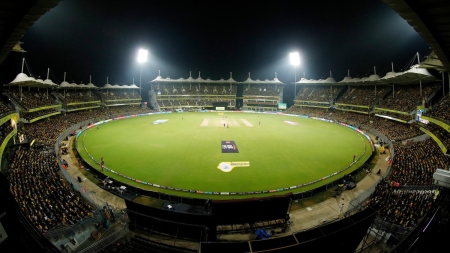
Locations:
(295, 61)
(142, 57)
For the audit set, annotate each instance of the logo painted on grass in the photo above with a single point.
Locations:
(292, 123)
(229, 166)
(159, 121)
(229, 147)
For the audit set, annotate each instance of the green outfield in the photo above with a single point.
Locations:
(185, 152)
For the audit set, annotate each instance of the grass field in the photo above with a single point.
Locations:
(185, 151)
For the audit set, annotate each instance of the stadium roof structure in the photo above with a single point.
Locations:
(66, 85)
(414, 75)
(266, 81)
(199, 79)
(431, 20)
(330, 81)
(17, 16)
(23, 79)
(432, 62)
(116, 86)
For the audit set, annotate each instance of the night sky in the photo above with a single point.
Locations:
(101, 38)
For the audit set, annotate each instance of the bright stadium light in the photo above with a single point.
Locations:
(295, 61)
(294, 58)
(142, 57)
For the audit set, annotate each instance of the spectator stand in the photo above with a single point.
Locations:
(405, 99)
(8, 128)
(78, 97)
(190, 94)
(4, 109)
(36, 97)
(359, 98)
(116, 95)
(441, 128)
(261, 95)
(405, 192)
(439, 135)
(317, 93)
(319, 112)
(74, 230)
(440, 111)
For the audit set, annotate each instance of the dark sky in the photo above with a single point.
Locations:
(101, 38)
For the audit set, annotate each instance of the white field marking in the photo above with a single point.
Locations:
(247, 123)
(204, 123)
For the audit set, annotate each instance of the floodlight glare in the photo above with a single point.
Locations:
(142, 56)
(294, 59)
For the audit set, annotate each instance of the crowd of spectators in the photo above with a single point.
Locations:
(355, 119)
(195, 89)
(119, 94)
(401, 207)
(77, 96)
(262, 90)
(310, 111)
(320, 93)
(77, 106)
(5, 109)
(362, 95)
(354, 108)
(46, 131)
(440, 133)
(406, 98)
(5, 129)
(395, 131)
(36, 114)
(41, 193)
(125, 110)
(33, 98)
(441, 109)
(195, 101)
(415, 163)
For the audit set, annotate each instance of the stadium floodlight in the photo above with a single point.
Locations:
(142, 57)
(294, 58)
(295, 61)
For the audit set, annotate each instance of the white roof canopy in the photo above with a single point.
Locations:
(266, 81)
(23, 80)
(199, 79)
(411, 76)
(116, 86)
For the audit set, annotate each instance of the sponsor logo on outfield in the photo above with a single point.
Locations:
(229, 166)
(292, 123)
(229, 147)
(159, 121)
